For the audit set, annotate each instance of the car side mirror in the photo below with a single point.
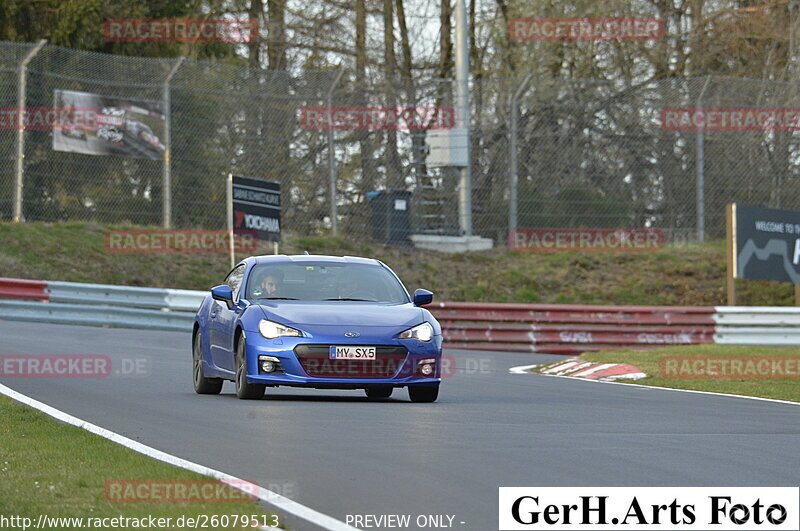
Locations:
(422, 297)
(223, 293)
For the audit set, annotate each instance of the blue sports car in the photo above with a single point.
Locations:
(316, 321)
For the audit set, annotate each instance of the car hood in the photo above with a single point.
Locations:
(343, 313)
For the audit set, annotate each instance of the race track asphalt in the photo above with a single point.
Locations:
(341, 454)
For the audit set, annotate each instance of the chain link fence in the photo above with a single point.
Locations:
(594, 154)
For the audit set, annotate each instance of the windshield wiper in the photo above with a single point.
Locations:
(276, 299)
(350, 299)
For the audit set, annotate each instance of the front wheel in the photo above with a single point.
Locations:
(202, 385)
(244, 390)
(423, 393)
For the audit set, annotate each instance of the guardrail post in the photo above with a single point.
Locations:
(22, 88)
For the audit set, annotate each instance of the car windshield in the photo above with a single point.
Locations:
(323, 281)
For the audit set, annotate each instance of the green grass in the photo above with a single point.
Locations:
(649, 361)
(58, 470)
(685, 275)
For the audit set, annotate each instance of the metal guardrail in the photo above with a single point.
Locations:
(558, 329)
(109, 295)
(572, 329)
(757, 335)
(185, 300)
(14, 288)
(757, 315)
(99, 304)
(90, 314)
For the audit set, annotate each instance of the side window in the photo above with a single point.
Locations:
(234, 280)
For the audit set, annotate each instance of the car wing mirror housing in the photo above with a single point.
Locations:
(223, 293)
(422, 297)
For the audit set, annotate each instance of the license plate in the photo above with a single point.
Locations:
(352, 353)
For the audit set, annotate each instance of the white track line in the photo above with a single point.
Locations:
(629, 376)
(268, 496)
(522, 369)
(730, 395)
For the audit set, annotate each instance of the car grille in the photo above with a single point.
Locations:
(314, 360)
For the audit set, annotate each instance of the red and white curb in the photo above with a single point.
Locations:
(528, 369)
(577, 368)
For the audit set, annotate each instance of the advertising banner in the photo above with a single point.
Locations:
(99, 125)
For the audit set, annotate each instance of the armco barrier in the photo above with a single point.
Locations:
(571, 329)
(99, 304)
(90, 314)
(13, 288)
(757, 315)
(185, 300)
(551, 328)
(73, 292)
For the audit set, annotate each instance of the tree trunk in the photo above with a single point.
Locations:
(276, 37)
(406, 71)
(279, 118)
(364, 140)
(394, 170)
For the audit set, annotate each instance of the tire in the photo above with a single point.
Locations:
(244, 390)
(202, 385)
(423, 393)
(381, 391)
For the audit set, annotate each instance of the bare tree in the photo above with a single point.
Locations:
(394, 171)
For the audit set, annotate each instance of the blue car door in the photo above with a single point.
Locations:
(222, 323)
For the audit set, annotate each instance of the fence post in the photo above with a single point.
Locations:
(22, 87)
(463, 118)
(700, 172)
(332, 159)
(513, 180)
(166, 193)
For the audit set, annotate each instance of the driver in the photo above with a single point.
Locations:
(270, 284)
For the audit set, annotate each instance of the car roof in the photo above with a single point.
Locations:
(283, 258)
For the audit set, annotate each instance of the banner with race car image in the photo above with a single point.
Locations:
(101, 125)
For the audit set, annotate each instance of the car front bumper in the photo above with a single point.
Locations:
(332, 374)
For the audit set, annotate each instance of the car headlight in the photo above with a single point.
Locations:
(272, 330)
(423, 332)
